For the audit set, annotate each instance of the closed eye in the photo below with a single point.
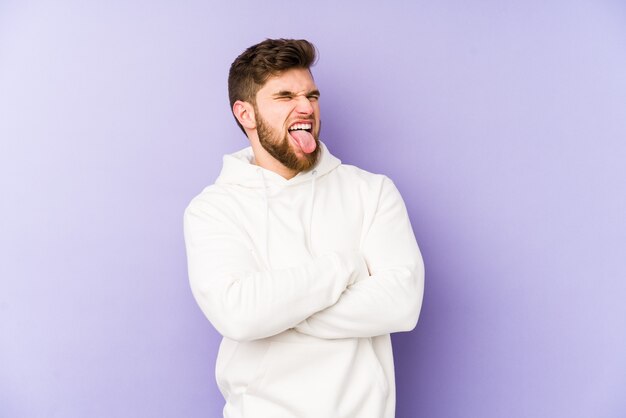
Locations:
(314, 95)
(288, 95)
(283, 95)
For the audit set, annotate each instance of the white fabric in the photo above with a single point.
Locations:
(305, 279)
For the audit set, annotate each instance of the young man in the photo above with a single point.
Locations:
(303, 264)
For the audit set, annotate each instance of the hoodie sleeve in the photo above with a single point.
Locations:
(243, 302)
(390, 299)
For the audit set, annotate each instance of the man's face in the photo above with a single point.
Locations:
(288, 119)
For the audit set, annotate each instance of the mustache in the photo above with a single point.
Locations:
(307, 118)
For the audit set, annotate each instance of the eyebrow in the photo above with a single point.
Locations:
(287, 93)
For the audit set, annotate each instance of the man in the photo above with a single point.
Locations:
(303, 264)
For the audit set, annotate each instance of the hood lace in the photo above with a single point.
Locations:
(267, 218)
(309, 226)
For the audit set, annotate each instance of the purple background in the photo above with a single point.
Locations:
(502, 123)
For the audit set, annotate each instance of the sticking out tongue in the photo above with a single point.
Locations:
(305, 140)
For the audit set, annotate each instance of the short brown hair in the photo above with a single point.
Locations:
(250, 70)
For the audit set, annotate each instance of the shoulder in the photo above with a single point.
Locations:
(376, 188)
(356, 176)
(212, 200)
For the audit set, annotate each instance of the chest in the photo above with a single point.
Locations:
(287, 227)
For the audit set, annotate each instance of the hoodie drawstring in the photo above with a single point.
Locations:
(310, 226)
(267, 218)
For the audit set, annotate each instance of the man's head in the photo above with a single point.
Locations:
(274, 100)
(249, 72)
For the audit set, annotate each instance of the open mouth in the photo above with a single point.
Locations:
(301, 127)
(301, 133)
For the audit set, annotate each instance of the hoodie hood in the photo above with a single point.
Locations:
(239, 169)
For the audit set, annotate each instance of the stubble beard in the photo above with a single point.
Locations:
(281, 149)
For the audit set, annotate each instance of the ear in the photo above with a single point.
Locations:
(244, 112)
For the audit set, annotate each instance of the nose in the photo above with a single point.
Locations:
(304, 106)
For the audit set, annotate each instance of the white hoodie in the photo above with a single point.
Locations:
(305, 279)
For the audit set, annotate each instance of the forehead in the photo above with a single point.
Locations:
(295, 80)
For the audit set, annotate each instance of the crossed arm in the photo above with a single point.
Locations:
(375, 291)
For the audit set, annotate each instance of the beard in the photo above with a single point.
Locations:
(281, 149)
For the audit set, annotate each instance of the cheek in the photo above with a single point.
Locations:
(280, 117)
